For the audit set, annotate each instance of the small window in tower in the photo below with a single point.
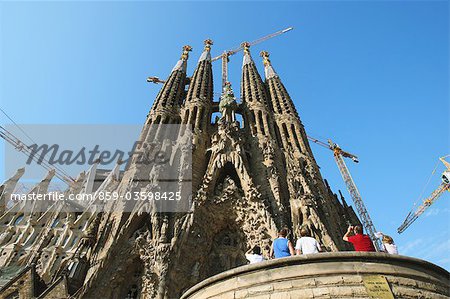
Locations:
(215, 116)
(197, 91)
(186, 116)
(286, 134)
(194, 115)
(31, 239)
(13, 295)
(294, 133)
(65, 241)
(268, 122)
(261, 122)
(18, 219)
(200, 116)
(74, 241)
(240, 120)
(278, 135)
(252, 116)
(279, 107)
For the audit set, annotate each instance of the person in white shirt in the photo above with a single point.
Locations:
(388, 243)
(306, 244)
(253, 255)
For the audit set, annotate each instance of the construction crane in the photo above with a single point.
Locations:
(20, 146)
(155, 80)
(339, 156)
(226, 54)
(444, 186)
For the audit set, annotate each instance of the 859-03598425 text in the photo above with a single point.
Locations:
(102, 196)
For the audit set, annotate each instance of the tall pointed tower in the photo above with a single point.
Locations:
(197, 111)
(265, 159)
(249, 179)
(312, 204)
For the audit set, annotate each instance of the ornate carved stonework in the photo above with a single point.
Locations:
(253, 173)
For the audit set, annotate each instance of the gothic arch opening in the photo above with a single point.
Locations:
(226, 251)
(240, 120)
(228, 170)
(131, 281)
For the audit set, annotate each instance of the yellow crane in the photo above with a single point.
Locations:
(226, 54)
(20, 146)
(364, 216)
(427, 202)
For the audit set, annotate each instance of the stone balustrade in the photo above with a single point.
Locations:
(327, 275)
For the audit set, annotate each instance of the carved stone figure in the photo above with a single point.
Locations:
(227, 105)
(249, 180)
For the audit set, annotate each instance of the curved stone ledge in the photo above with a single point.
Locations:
(326, 275)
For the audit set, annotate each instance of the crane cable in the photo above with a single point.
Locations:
(23, 131)
(32, 140)
(20, 146)
(419, 199)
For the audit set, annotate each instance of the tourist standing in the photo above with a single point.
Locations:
(306, 244)
(360, 241)
(281, 246)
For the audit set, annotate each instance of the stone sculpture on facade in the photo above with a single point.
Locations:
(249, 179)
(227, 104)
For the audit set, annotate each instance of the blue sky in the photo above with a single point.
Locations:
(371, 75)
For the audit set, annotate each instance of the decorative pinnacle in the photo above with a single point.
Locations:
(265, 55)
(246, 46)
(208, 43)
(186, 50)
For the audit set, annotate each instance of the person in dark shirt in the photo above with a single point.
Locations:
(360, 241)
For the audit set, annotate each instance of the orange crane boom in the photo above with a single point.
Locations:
(444, 186)
(364, 216)
(226, 54)
(255, 42)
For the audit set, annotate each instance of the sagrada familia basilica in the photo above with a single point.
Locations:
(253, 173)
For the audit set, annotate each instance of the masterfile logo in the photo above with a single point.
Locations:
(99, 165)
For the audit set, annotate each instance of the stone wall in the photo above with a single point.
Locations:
(326, 275)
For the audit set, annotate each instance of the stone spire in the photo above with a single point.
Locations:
(252, 88)
(8, 187)
(269, 72)
(281, 101)
(306, 187)
(245, 187)
(289, 128)
(206, 55)
(200, 93)
(260, 123)
(172, 92)
(166, 108)
(254, 97)
(197, 109)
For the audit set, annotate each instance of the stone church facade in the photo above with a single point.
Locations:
(250, 178)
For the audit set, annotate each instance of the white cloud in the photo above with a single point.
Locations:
(441, 250)
(436, 211)
(434, 248)
(410, 246)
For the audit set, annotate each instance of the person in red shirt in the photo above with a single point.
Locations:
(360, 241)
